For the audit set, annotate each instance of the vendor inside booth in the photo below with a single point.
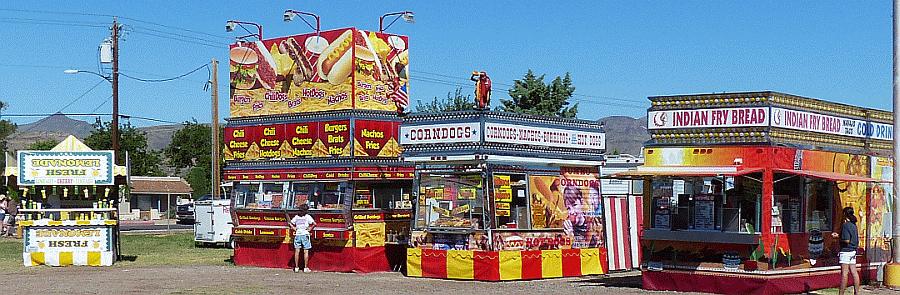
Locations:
(742, 189)
(68, 198)
(519, 200)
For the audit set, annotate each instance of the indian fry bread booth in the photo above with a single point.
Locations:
(68, 196)
(502, 196)
(743, 191)
(314, 121)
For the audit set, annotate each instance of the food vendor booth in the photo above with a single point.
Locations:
(68, 197)
(314, 120)
(502, 196)
(743, 190)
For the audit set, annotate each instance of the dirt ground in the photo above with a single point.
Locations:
(252, 280)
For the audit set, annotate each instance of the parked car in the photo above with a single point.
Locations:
(185, 212)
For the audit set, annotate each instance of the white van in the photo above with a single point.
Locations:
(213, 222)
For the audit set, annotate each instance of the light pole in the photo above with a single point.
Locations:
(406, 15)
(115, 113)
(289, 15)
(231, 24)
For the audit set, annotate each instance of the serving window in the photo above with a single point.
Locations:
(729, 204)
(451, 201)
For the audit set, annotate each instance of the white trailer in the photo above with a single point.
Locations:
(213, 222)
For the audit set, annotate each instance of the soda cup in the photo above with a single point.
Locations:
(312, 48)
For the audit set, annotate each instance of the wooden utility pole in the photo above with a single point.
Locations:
(115, 90)
(215, 132)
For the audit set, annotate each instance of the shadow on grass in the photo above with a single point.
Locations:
(128, 258)
(230, 259)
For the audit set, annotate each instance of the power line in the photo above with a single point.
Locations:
(457, 84)
(512, 86)
(167, 79)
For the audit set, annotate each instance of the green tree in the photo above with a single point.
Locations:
(454, 102)
(531, 96)
(42, 145)
(7, 128)
(144, 161)
(190, 148)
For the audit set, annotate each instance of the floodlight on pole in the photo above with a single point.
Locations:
(289, 15)
(232, 24)
(406, 15)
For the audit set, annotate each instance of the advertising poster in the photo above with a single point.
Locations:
(65, 168)
(570, 201)
(375, 139)
(331, 70)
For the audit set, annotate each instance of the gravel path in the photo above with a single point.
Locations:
(252, 280)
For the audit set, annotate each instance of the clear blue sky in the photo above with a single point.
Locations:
(617, 52)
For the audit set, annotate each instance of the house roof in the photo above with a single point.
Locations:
(159, 185)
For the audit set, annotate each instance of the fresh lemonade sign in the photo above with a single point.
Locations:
(65, 168)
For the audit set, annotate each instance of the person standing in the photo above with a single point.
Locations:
(849, 238)
(11, 211)
(302, 223)
(4, 205)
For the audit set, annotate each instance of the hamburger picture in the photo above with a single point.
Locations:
(251, 63)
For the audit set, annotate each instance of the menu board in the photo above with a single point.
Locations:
(704, 212)
(662, 218)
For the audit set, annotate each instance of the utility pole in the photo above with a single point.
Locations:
(215, 131)
(115, 90)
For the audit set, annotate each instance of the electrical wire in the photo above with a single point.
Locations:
(495, 91)
(178, 37)
(167, 79)
(50, 22)
(511, 86)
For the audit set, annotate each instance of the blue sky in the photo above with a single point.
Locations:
(617, 52)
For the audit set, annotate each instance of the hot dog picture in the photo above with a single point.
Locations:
(334, 65)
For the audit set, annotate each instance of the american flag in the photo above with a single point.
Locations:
(399, 95)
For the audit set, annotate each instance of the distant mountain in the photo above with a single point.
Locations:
(159, 137)
(54, 127)
(625, 135)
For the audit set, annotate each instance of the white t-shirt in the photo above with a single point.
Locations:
(302, 223)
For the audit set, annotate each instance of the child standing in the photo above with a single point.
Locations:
(302, 223)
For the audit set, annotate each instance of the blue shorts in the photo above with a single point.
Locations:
(302, 242)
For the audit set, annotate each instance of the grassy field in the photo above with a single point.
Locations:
(139, 250)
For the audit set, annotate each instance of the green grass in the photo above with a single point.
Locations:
(139, 250)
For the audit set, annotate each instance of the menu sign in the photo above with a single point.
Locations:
(704, 212)
(440, 133)
(335, 139)
(543, 136)
(301, 137)
(375, 139)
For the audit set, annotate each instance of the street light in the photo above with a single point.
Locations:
(231, 24)
(289, 15)
(406, 15)
(115, 113)
(73, 71)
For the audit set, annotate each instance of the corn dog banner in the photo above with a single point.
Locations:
(570, 201)
(332, 70)
(314, 139)
(504, 265)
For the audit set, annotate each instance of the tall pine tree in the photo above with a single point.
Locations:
(531, 96)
